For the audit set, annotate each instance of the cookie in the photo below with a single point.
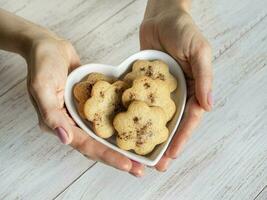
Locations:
(154, 69)
(93, 77)
(104, 103)
(82, 90)
(140, 128)
(79, 106)
(154, 92)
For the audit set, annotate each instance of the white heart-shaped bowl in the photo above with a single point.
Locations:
(179, 97)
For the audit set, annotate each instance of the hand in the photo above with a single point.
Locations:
(50, 59)
(168, 27)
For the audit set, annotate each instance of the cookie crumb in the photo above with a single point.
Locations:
(149, 72)
(151, 97)
(102, 94)
(97, 117)
(146, 85)
(131, 96)
(142, 69)
(161, 77)
(135, 119)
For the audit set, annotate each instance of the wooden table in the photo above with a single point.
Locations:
(225, 159)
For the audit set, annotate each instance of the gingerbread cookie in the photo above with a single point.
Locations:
(154, 92)
(154, 69)
(102, 106)
(141, 128)
(82, 90)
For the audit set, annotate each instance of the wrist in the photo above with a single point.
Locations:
(157, 7)
(30, 36)
(18, 34)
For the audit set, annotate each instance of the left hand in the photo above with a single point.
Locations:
(171, 29)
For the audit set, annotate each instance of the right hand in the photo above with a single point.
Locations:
(168, 26)
(50, 59)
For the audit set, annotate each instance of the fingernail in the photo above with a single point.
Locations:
(174, 152)
(126, 167)
(62, 135)
(135, 162)
(135, 175)
(165, 165)
(138, 173)
(168, 160)
(210, 99)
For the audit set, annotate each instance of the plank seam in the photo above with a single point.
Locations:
(265, 187)
(76, 179)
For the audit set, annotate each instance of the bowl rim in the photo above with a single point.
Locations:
(115, 70)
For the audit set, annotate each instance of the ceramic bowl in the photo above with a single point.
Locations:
(179, 97)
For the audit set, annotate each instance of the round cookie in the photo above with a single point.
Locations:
(104, 103)
(154, 92)
(154, 69)
(141, 128)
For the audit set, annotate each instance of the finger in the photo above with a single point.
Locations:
(202, 72)
(163, 163)
(97, 151)
(190, 121)
(41, 124)
(71, 121)
(75, 61)
(73, 56)
(137, 169)
(51, 112)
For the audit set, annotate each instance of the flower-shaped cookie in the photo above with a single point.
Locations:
(154, 92)
(141, 128)
(104, 103)
(156, 70)
(82, 90)
(93, 77)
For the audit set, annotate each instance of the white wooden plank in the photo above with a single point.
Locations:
(111, 48)
(33, 165)
(30, 161)
(71, 19)
(226, 159)
(225, 22)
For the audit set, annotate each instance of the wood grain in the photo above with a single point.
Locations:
(226, 159)
(36, 165)
(33, 165)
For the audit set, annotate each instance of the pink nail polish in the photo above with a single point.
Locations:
(210, 99)
(62, 135)
(135, 162)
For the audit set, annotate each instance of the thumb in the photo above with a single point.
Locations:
(202, 73)
(51, 113)
(73, 57)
